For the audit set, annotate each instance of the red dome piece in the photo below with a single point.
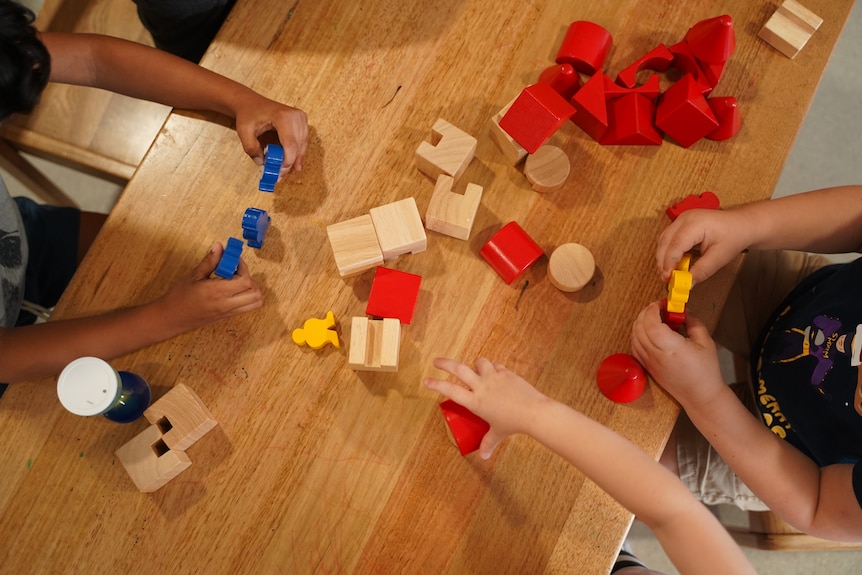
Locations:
(621, 378)
(712, 40)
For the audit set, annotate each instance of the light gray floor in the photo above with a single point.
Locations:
(828, 152)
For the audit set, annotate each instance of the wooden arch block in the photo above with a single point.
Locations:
(449, 152)
(374, 344)
(450, 213)
(355, 246)
(399, 228)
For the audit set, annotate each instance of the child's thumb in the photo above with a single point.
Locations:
(209, 263)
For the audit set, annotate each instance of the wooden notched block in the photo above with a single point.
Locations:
(790, 27)
(399, 228)
(450, 213)
(512, 150)
(181, 416)
(355, 245)
(449, 152)
(149, 461)
(374, 344)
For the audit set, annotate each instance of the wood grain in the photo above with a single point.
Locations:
(315, 468)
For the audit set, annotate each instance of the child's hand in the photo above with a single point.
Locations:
(721, 235)
(259, 115)
(687, 367)
(199, 300)
(494, 393)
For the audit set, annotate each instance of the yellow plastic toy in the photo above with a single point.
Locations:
(317, 332)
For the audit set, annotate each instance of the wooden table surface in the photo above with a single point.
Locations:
(315, 468)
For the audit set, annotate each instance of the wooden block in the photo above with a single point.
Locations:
(399, 228)
(181, 417)
(374, 344)
(149, 462)
(355, 245)
(449, 152)
(571, 267)
(547, 169)
(512, 150)
(790, 27)
(450, 213)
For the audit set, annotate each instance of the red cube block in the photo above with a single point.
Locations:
(393, 294)
(684, 114)
(535, 115)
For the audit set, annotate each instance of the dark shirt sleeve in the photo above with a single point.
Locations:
(857, 482)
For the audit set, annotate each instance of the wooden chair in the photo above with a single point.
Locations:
(94, 131)
(767, 531)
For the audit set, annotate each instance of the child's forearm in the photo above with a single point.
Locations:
(693, 539)
(141, 72)
(43, 350)
(823, 221)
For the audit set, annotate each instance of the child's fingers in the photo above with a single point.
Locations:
(458, 369)
(209, 262)
(489, 443)
(453, 391)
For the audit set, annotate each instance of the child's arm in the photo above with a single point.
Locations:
(143, 72)
(692, 537)
(818, 501)
(822, 221)
(45, 349)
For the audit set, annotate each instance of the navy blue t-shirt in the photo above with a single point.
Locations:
(805, 368)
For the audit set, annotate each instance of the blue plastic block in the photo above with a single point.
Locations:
(255, 222)
(230, 259)
(273, 156)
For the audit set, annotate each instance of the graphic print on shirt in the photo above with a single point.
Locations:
(11, 262)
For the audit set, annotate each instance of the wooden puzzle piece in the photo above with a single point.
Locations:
(683, 113)
(535, 115)
(571, 267)
(585, 46)
(374, 344)
(547, 169)
(149, 461)
(181, 416)
(510, 251)
(512, 150)
(790, 28)
(355, 245)
(465, 428)
(704, 201)
(563, 78)
(399, 228)
(316, 333)
(450, 213)
(449, 152)
(621, 378)
(393, 294)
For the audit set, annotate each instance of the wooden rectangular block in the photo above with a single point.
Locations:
(149, 461)
(374, 344)
(451, 213)
(355, 245)
(790, 27)
(512, 150)
(450, 152)
(181, 416)
(399, 228)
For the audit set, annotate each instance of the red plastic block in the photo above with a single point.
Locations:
(466, 427)
(712, 40)
(535, 115)
(621, 378)
(674, 320)
(393, 294)
(683, 113)
(591, 108)
(726, 111)
(685, 61)
(651, 88)
(659, 59)
(711, 72)
(705, 201)
(510, 251)
(630, 122)
(563, 79)
(585, 47)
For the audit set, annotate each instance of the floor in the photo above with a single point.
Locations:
(827, 153)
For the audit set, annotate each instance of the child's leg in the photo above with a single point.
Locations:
(764, 280)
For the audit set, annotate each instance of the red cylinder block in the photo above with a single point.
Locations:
(585, 47)
(511, 251)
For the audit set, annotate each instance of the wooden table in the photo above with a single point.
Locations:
(317, 468)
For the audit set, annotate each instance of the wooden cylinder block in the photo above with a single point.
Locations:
(570, 267)
(547, 169)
